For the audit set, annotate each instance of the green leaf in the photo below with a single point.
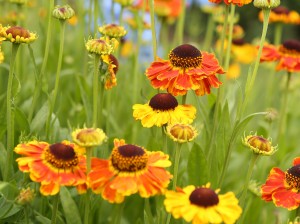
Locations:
(40, 118)
(197, 166)
(69, 206)
(21, 122)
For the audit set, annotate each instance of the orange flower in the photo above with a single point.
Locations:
(130, 169)
(187, 68)
(282, 187)
(52, 165)
(112, 63)
(235, 2)
(287, 54)
(281, 14)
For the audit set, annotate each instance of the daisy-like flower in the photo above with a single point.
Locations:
(53, 166)
(163, 109)
(259, 145)
(282, 14)
(187, 68)
(130, 169)
(235, 2)
(287, 55)
(283, 187)
(101, 46)
(202, 205)
(112, 30)
(181, 132)
(89, 137)
(17, 34)
(112, 63)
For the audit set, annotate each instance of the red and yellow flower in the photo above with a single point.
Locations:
(187, 68)
(163, 109)
(287, 55)
(110, 79)
(53, 165)
(202, 205)
(235, 2)
(130, 169)
(282, 14)
(283, 187)
(17, 34)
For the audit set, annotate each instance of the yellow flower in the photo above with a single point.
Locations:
(181, 132)
(89, 137)
(202, 205)
(112, 30)
(16, 34)
(259, 145)
(163, 109)
(63, 12)
(101, 46)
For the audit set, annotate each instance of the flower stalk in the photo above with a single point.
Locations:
(154, 41)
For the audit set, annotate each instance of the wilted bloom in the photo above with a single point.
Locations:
(112, 30)
(63, 12)
(163, 109)
(283, 187)
(259, 145)
(181, 132)
(234, 2)
(287, 55)
(266, 4)
(101, 46)
(282, 14)
(112, 67)
(124, 3)
(25, 196)
(17, 34)
(202, 205)
(53, 165)
(187, 68)
(89, 137)
(272, 114)
(130, 169)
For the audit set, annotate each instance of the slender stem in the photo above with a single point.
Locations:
(96, 9)
(180, 23)
(89, 154)
(223, 35)
(95, 89)
(184, 99)
(57, 78)
(176, 165)
(209, 32)
(282, 118)
(154, 43)
(278, 34)
(90, 16)
(121, 16)
(148, 211)
(9, 115)
(55, 208)
(112, 11)
(229, 41)
(118, 214)
(251, 79)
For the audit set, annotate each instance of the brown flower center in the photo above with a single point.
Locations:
(260, 143)
(204, 197)
(18, 31)
(185, 56)
(163, 102)
(115, 62)
(292, 177)
(280, 10)
(129, 158)
(238, 42)
(290, 47)
(61, 156)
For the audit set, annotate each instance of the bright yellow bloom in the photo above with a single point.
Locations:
(16, 34)
(89, 137)
(112, 30)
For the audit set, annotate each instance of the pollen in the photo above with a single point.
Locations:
(292, 177)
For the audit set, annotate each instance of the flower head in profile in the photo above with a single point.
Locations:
(186, 69)
(17, 34)
(162, 109)
(112, 30)
(89, 137)
(112, 67)
(266, 4)
(63, 12)
(234, 2)
(259, 145)
(181, 132)
(282, 14)
(101, 46)
(52, 165)
(202, 205)
(287, 55)
(130, 169)
(283, 187)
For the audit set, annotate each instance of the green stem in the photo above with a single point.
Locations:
(282, 118)
(96, 9)
(209, 32)
(112, 11)
(90, 16)
(154, 43)
(223, 35)
(180, 24)
(121, 16)
(147, 208)
(229, 41)
(184, 99)
(176, 165)
(9, 115)
(95, 89)
(251, 79)
(54, 208)
(89, 154)
(164, 139)
(278, 34)
(57, 78)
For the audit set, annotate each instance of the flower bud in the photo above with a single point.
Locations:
(63, 12)
(266, 4)
(25, 196)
